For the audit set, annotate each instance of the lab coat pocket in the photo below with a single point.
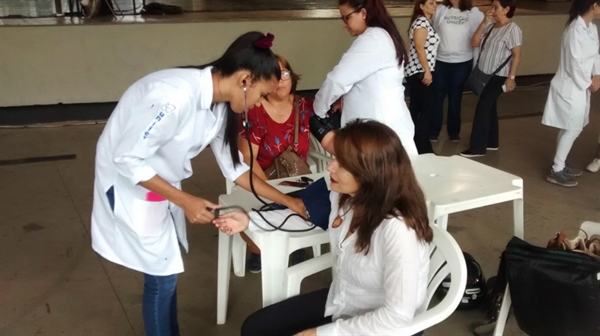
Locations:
(149, 218)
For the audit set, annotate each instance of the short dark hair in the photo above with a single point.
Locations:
(509, 3)
(463, 5)
(294, 76)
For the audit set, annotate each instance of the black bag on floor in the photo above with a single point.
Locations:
(553, 292)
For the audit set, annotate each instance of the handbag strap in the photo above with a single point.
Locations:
(296, 123)
(481, 52)
(483, 44)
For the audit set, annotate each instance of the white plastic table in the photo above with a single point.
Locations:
(454, 184)
(274, 246)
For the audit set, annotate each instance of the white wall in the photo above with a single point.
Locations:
(96, 63)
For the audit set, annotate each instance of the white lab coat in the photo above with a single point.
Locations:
(568, 104)
(161, 123)
(369, 78)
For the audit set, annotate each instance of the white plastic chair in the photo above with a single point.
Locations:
(592, 229)
(319, 154)
(446, 258)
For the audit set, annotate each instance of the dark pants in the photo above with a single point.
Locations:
(485, 131)
(159, 303)
(449, 80)
(421, 109)
(289, 317)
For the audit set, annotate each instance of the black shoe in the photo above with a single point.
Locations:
(433, 139)
(254, 263)
(470, 154)
(455, 138)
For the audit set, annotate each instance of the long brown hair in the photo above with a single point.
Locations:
(373, 154)
(417, 11)
(378, 16)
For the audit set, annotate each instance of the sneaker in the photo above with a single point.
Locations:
(297, 257)
(561, 179)
(455, 138)
(470, 154)
(254, 263)
(573, 172)
(492, 148)
(433, 139)
(594, 166)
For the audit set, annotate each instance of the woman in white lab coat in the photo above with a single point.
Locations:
(368, 78)
(161, 122)
(578, 75)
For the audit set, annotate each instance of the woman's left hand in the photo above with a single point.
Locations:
(232, 222)
(308, 332)
(510, 85)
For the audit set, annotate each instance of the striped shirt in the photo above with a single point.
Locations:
(498, 48)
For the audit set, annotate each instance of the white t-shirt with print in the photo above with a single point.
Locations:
(455, 28)
(431, 46)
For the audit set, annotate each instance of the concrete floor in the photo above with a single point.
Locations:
(51, 282)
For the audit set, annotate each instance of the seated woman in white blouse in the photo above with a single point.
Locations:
(380, 238)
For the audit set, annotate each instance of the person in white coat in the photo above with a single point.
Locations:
(578, 75)
(160, 123)
(368, 78)
(380, 237)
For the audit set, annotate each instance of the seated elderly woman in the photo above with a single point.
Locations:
(380, 239)
(272, 130)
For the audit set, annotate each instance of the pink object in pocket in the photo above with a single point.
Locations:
(154, 197)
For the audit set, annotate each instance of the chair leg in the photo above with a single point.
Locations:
(223, 274)
(503, 315)
(274, 265)
(239, 256)
(518, 218)
(442, 222)
(316, 250)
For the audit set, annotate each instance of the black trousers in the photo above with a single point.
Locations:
(485, 132)
(290, 316)
(421, 111)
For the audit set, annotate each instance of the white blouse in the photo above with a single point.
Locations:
(378, 293)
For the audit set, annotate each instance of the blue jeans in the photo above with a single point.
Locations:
(159, 305)
(448, 80)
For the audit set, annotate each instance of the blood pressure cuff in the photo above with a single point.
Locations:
(319, 127)
(316, 200)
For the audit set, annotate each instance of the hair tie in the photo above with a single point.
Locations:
(265, 42)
